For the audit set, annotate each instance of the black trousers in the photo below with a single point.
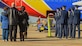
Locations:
(13, 32)
(22, 28)
(74, 30)
(25, 35)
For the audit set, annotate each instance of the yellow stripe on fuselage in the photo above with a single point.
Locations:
(38, 5)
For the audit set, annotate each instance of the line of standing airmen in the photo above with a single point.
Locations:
(67, 21)
(12, 17)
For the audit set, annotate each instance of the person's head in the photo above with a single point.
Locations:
(57, 10)
(13, 4)
(69, 10)
(72, 9)
(5, 8)
(60, 8)
(22, 8)
(63, 7)
(39, 17)
(76, 7)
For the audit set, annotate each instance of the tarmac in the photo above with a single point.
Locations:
(36, 38)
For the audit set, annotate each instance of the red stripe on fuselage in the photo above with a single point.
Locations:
(30, 11)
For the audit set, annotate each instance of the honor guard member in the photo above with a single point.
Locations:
(63, 19)
(70, 21)
(59, 22)
(57, 15)
(76, 22)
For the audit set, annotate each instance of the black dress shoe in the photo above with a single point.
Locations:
(14, 40)
(21, 40)
(11, 40)
(7, 40)
(55, 36)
